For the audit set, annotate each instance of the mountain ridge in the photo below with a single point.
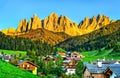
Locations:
(60, 23)
(45, 36)
(105, 36)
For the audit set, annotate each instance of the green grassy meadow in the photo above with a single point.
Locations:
(23, 53)
(60, 49)
(99, 54)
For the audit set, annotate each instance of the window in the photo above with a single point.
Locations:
(23, 65)
(28, 66)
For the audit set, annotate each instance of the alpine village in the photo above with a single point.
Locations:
(57, 47)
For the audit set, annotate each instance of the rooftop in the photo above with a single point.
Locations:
(93, 68)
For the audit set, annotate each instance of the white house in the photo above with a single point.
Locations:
(70, 71)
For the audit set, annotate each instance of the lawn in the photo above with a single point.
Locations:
(13, 52)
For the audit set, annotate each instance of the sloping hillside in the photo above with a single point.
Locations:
(45, 36)
(108, 40)
(9, 71)
(98, 54)
(112, 53)
(23, 44)
(95, 40)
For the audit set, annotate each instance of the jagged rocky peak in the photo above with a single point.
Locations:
(22, 26)
(35, 23)
(61, 23)
(68, 26)
(64, 21)
(94, 23)
(84, 23)
(99, 18)
(53, 15)
(51, 22)
(103, 20)
(106, 20)
(35, 16)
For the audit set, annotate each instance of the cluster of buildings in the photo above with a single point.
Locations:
(70, 60)
(6, 57)
(26, 65)
(98, 69)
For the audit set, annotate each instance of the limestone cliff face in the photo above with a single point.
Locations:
(10, 31)
(51, 22)
(84, 24)
(89, 25)
(61, 23)
(106, 20)
(33, 24)
(22, 26)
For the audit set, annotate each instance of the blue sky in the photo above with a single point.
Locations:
(12, 11)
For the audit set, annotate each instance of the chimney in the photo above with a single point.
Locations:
(99, 63)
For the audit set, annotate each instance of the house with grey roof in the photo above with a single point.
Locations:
(100, 70)
(93, 71)
(112, 71)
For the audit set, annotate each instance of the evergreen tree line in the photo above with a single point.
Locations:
(35, 51)
(32, 47)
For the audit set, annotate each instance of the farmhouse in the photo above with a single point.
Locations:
(94, 71)
(29, 66)
(50, 57)
(62, 54)
(70, 64)
(76, 54)
(101, 70)
(70, 69)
